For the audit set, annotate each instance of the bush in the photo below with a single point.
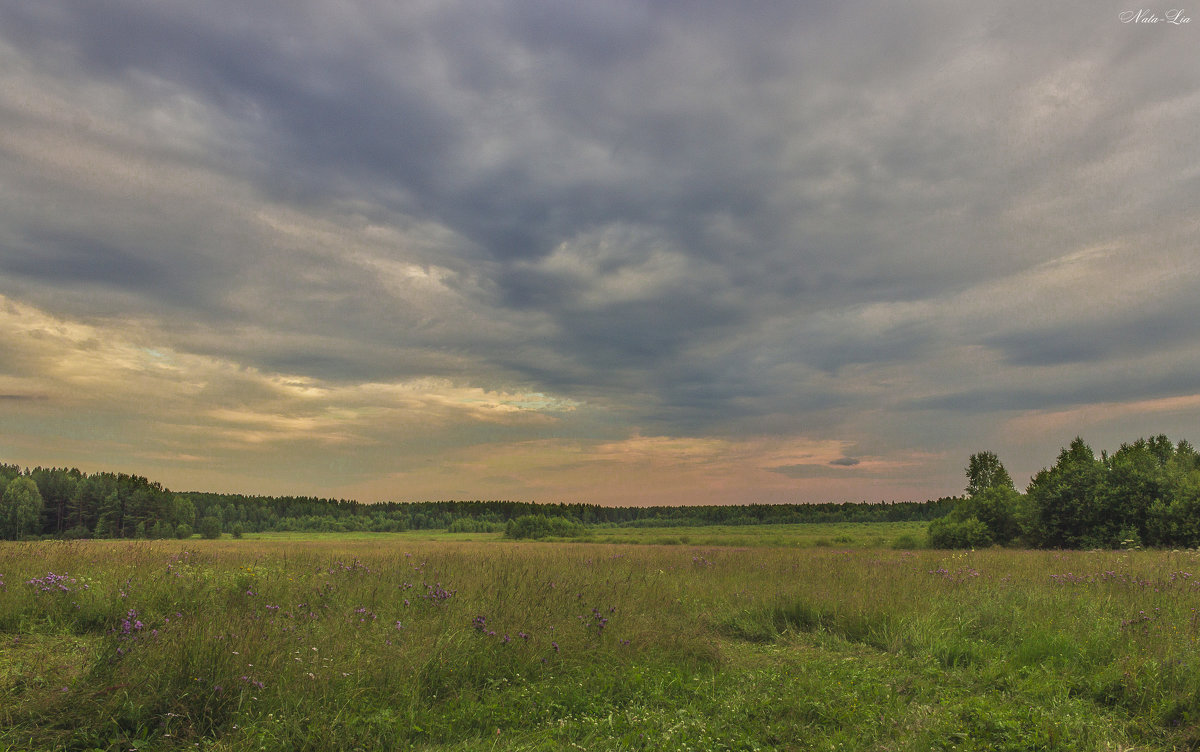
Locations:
(997, 508)
(968, 533)
(210, 527)
(471, 525)
(237, 530)
(541, 526)
(183, 530)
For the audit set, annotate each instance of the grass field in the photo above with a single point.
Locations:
(393, 642)
(841, 534)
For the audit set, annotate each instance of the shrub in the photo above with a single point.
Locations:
(472, 525)
(183, 530)
(968, 533)
(210, 527)
(541, 526)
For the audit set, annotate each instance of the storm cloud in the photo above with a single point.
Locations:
(551, 251)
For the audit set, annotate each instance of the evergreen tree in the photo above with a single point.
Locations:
(111, 516)
(57, 487)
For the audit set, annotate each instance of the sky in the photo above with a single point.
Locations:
(595, 251)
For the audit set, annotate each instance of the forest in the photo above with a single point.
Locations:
(67, 503)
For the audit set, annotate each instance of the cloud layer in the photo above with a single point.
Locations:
(597, 251)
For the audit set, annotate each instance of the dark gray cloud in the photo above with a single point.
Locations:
(834, 469)
(1119, 385)
(67, 259)
(1124, 334)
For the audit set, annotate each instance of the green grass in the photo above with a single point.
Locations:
(408, 535)
(841, 534)
(838, 534)
(284, 643)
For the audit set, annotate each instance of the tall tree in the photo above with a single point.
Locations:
(985, 470)
(20, 509)
(112, 516)
(1066, 500)
(988, 514)
(57, 486)
(1138, 477)
(183, 511)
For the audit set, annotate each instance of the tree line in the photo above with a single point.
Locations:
(67, 503)
(1147, 493)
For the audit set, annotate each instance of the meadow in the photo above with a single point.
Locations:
(430, 642)
(844, 534)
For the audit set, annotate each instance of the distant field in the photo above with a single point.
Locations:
(391, 642)
(843, 534)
